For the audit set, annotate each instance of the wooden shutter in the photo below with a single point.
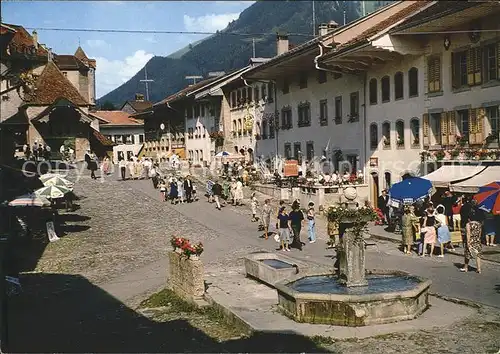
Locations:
(437, 74)
(472, 126)
(480, 117)
(470, 66)
(498, 59)
(452, 128)
(455, 71)
(444, 129)
(478, 66)
(425, 129)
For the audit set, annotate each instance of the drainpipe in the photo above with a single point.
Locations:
(316, 58)
(365, 154)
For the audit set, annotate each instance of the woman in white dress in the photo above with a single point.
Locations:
(238, 193)
(180, 190)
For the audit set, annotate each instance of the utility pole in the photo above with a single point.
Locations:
(146, 82)
(344, 17)
(194, 78)
(363, 8)
(314, 19)
(253, 47)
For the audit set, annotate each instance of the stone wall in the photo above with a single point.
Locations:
(81, 147)
(186, 276)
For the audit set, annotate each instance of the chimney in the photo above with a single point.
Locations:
(35, 39)
(281, 43)
(322, 29)
(139, 97)
(332, 26)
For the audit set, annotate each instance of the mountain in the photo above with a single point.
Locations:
(231, 48)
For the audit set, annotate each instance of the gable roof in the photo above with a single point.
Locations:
(23, 42)
(69, 62)
(139, 106)
(101, 138)
(80, 54)
(182, 93)
(52, 85)
(116, 118)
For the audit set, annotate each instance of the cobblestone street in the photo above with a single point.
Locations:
(114, 253)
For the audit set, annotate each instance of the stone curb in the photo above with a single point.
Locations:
(455, 253)
(230, 316)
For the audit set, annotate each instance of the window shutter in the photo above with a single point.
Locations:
(437, 74)
(498, 58)
(472, 126)
(452, 132)
(470, 66)
(425, 129)
(431, 75)
(478, 66)
(480, 117)
(444, 129)
(455, 72)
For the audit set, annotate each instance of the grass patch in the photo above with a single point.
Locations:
(322, 340)
(167, 298)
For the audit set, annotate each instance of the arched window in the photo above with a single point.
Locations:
(373, 136)
(264, 129)
(259, 129)
(398, 86)
(235, 127)
(400, 134)
(415, 132)
(240, 126)
(386, 134)
(413, 82)
(373, 91)
(385, 83)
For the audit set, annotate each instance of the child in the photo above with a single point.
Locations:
(254, 203)
(163, 189)
(311, 222)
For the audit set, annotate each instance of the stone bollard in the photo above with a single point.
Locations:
(186, 276)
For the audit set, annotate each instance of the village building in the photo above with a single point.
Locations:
(126, 132)
(429, 98)
(51, 106)
(136, 106)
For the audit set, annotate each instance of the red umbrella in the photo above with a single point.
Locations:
(488, 198)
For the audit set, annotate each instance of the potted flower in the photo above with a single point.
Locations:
(386, 141)
(177, 243)
(454, 153)
(440, 154)
(400, 142)
(461, 140)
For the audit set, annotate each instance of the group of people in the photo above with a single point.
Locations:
(231, 192)
(67, 153)
(176, 189)
(38, 152)
(137, 168)
(428, 226)
(290, 224)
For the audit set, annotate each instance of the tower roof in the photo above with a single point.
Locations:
(80, 54)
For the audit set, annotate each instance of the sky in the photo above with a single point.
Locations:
(120, 56)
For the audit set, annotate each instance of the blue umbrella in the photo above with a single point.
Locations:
(410, 190)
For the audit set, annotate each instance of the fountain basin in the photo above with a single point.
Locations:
(317, 297)
(271, 268)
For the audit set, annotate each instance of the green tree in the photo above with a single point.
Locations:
(108, 106)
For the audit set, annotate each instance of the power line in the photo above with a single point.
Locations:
(100, 30)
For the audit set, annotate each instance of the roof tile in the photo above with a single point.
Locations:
(116, 118)
(23, 41)
(182, 93)
(69, 62)
(52, 85)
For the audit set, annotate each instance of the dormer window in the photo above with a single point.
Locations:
(65, 73)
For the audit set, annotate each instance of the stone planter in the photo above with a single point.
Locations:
(178, 250)
(194, 257)
(186, 276)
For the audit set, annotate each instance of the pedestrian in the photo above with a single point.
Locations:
(188, 188)
(238, 193)
(62, 151)
(210, 185)
(283, 226)
(253, 203)
(490, 225)
(472, 240)
(194, 195)
(46, 152)
(71, 156)
(383, 205)
(407, 222)
(27, 152)
(296, 221)
(163, 190)
(105, 167)
(430, 224)
(448, 200)
(180, 190)
(174, 191)
(35, 150)
(266, 217)
(217, 192)
(154, 175)
(311, 221)
(41, 151)
(90, 163)
(233, 190)
(131, 168)
(123, 167)
(443, 231)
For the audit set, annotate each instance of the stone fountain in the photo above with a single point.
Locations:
(353, 296)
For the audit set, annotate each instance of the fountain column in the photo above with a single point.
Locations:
(351, 254)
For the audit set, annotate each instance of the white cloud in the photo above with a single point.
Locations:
(112, 73)
(209, 23)
(96, 43)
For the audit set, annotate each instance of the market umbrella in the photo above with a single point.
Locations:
(56, 180)
(488, 198)
(52, 192)
(222, 153)
(410, 190)
(29, 200)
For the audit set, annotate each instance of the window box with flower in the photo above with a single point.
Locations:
(386, 142)
(400, 142)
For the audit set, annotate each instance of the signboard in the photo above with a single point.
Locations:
(373, 161)
(291, 168)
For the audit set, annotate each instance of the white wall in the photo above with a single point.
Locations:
(347, 136)
(202, 147)
(134, 148)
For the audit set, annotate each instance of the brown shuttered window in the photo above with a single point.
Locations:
(425, 129)
(444, 129)
(480, 118)
(472, 126)
(434, 74)
(452, 132)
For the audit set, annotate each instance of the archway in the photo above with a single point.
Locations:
(387, 180)
(375, 189)
(250, 155)
(236, 149)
